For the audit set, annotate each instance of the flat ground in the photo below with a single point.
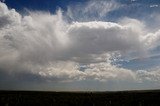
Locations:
(121, 98)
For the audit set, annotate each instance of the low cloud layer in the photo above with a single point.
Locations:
(48, 48)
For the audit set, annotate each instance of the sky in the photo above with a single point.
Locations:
(79, 45)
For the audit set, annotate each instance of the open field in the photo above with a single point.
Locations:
(121, 98)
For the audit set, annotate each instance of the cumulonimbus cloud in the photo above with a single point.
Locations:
(46, 45)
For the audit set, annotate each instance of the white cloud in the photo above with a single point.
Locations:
(152, 75)
(91, 10)
(46, 45)
(153, 6)
(8, 17)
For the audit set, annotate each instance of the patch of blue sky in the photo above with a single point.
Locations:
(43, 5)
(141, 63)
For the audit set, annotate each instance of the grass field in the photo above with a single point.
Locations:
(121, 98)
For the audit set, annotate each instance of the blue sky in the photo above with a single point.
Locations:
(45, 5)
(79, 44)
(51, 4)
(138, 9)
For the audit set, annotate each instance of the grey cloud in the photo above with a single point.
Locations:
(99, 37)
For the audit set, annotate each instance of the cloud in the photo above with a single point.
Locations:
(48, 48)
(153, 75)
(91, 10)
(98, 37)
(8, 16)
(152, 6)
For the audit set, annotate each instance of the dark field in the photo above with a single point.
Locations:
(122, 98)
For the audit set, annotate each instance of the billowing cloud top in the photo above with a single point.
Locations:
(44, 48)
